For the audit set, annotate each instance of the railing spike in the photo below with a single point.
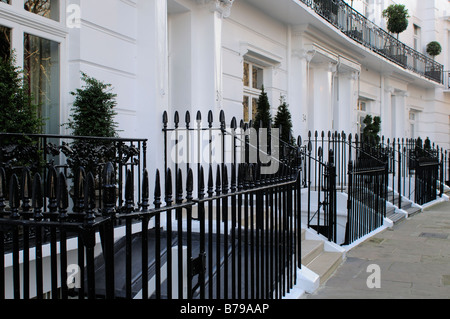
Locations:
(89, 198)
(241, 176)
(129, 192)
(79, 182)
(233, 178)
(109, 190)
(145, 191)
(210, 118)
(179, 194)
(26, 190)
(51, 190)
(165, 119)
(218, 181)
(199, 117)
(187, 118)
(14, 197)
(201, 184)
(36, 198)
(222, 117)
(168, 188)
(233, 124)
(157, 196)
(225, 180)
(210, 182)
(62, 196)
(176, 119)
(190, 186)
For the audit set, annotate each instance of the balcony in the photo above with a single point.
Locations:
(365, 32)
(447, 81)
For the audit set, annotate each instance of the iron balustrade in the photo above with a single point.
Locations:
(359, 28)
(38, 152)
(216, 230)
(250, 249)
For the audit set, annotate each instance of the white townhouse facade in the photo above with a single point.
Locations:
(190, 55)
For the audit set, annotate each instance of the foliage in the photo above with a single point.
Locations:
(18, 113)
(93, 109)
(92, 115)
(283, 119)
(397, 16)
(371, 130)
(423, 149)
(263, 118)
(434, 48)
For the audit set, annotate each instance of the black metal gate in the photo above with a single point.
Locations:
(367, 195)
(324, 219)
(426, 181)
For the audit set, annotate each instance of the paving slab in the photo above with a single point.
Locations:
(413, 259)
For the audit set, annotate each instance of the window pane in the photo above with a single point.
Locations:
(41, 66)
(257, 78)
(246, 74)
(6, 1)
(254, 108)
(5, 42)
(45, 8)
(246, 110)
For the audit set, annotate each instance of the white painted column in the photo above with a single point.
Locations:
(387, 114)
(298, 91)
(400, 119)
(346, 99)
(207, 69)
(152, 76)
(320, 113)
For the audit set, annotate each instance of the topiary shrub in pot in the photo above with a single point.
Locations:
(434, 49)
(92, 116)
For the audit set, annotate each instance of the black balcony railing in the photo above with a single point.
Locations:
(362, 30)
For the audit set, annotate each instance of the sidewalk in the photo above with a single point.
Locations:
(413, 258)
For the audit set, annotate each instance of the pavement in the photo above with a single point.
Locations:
(409, 261)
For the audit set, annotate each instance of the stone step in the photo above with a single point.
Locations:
(396, 217)
(325, 264)
(413, 211)
(311, 249)
(319, 261)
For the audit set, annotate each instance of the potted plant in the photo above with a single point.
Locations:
(397, 21)
(92, 116)
(397, 18)
(370, 138)
(263, 118)
(434, 49)
(283, 119)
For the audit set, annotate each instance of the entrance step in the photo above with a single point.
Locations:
(315, 258)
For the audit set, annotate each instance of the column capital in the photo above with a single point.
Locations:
(304, 54)
(222, 7)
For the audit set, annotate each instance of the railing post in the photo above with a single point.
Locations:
(399, 185)
(441, 177)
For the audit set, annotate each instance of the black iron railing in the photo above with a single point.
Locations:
(359, 28)
(238, 239)
(221, 225)
(20, 154)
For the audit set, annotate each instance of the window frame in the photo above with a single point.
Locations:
(249, 91)
(21, 22)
